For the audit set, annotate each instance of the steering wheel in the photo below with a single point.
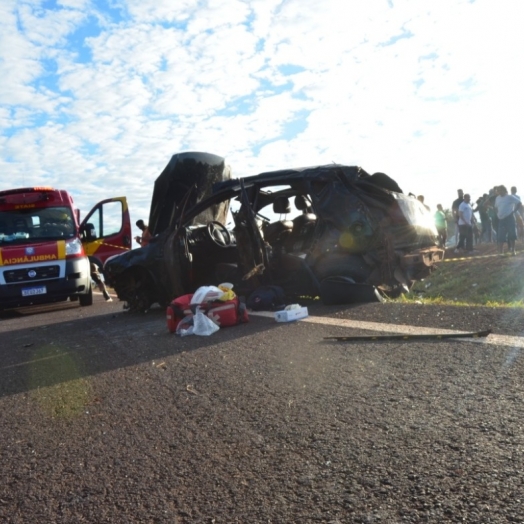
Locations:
(219, 234)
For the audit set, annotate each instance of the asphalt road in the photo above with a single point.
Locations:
(107, 417)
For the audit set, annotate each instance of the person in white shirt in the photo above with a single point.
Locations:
(465, 217)
(506, 205)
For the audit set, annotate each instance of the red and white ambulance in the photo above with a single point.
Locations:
(45, 252)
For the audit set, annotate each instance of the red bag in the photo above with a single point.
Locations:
(177, 310)
(224, 314)
(227, 313)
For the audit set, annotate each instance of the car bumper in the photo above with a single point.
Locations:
(77, 281)
(419, 264)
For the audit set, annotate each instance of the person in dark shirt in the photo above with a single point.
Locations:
(485, 220)
(493, 193)
(455, 213)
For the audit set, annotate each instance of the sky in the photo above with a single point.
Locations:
(96, 96)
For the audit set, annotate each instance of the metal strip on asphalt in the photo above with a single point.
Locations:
(497, 340)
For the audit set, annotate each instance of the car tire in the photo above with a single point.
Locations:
(87, 299)
(342, 290)
(344, 264)
(135, 288)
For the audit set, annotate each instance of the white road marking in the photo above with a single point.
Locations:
(497, 340)
(100, 293)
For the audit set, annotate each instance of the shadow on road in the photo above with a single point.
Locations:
(46, 355)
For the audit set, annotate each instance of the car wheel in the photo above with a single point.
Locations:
(348, 265)
(134, 287)
(87, 299)
(343, 290)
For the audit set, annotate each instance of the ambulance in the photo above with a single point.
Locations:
(46, 252)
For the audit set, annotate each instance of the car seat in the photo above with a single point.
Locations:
(303, 227)
(278, 232)
(90, 231)
(20, 226)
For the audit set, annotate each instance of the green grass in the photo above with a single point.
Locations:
(496, 281)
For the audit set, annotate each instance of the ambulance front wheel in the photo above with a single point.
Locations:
(87, 299)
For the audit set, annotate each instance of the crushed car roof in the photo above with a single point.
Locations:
(352, 174)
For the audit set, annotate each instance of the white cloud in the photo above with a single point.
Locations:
(427, 92)
(160, 10)
(45, 27)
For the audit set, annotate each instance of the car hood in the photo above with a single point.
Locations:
(185, 171)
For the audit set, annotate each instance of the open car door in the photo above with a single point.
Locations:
(106, 230)
(252, 250)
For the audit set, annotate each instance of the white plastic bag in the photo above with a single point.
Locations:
(203, 325)
(185, 326)
(206, 294)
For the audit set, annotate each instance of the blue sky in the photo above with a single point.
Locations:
(96, 99)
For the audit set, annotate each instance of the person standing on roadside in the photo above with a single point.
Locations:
(519, 216)
(493, 193)
(455, 213)
(506, 205)
(465, 224)
(143, 240)
(441, 225)
(485, 219)
(514, 192)
(95, 275)
(420, 198)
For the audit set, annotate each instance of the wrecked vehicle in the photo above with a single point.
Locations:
(333, 231)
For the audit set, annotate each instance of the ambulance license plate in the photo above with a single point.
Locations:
(37, 290)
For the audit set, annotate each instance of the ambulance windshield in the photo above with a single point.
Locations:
(49, 223)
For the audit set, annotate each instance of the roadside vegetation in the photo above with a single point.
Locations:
(484, 279)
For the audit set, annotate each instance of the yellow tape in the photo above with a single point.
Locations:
(99, 243)
(457, 259)
(111, 245)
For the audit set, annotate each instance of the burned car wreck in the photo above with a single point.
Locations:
(333, 231)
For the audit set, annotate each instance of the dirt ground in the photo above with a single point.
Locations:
(109, 419)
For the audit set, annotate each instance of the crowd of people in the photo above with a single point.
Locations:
(500, 219)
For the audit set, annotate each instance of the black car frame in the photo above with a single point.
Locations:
(332, 231)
